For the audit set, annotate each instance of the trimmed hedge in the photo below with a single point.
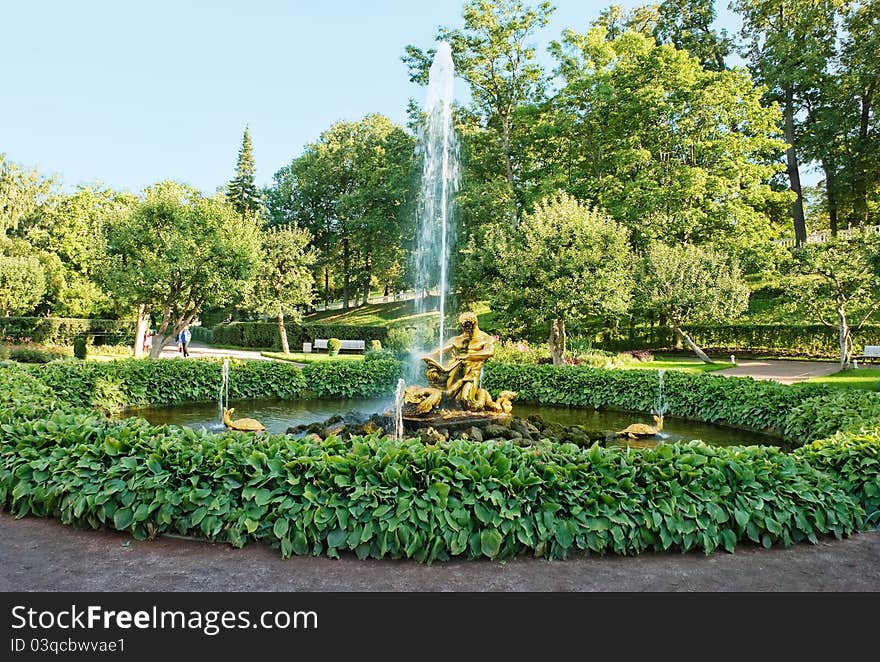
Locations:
(113, 385)
(812, 340)
(379, 497)
(64, 330)
(265, 334)
(202, 334)
(799, 413)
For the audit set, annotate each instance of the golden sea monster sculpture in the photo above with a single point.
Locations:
(637, 430)
(243, 424)
(459, 380)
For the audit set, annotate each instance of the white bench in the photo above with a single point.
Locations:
(871, 353)
(355, 345)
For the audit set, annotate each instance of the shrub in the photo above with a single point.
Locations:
(202, 334)
(377, 497)
(376, 345)
(379, 355)
(642, 355)
(64, 330)
(351, 379)
(809, 340)
(401, 339)
(31, 353)
(79, 347)
(264, 335)
(333, 346)
(521, 352)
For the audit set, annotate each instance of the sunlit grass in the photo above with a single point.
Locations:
(683, 363)
(311, 357)
(395, 313)
(866, 379)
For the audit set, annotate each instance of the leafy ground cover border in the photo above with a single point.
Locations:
(378, 497)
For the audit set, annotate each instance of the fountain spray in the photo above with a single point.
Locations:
(440, 179)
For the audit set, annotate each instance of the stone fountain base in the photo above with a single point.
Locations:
(475, 426)
(454, 420)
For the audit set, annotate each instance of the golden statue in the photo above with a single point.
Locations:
(459, 379)
(242, 424)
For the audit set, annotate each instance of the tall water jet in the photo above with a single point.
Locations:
(398, 409)
(223, 403)
(440, 179)
(661, 405)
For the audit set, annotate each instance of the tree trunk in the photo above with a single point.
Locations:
(162, 336)
(368, 268)
(557, 341)
(690, 343)
(283, 333)
(844, 338)
(326, 285)
(860, 203)
(508, 168)
(794, 175)
(346, 266)
(160, 340)
(140, 329)
(831, 194)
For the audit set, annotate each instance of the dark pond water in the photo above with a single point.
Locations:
(278, 415)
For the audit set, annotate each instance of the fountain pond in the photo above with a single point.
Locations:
(528, 422)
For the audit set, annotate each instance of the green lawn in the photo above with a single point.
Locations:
(312, 357)
(374, 314)
(386, 314)
(866, 379)
(684, 363)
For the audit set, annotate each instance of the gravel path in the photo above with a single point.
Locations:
(44, 555)
(786, 372)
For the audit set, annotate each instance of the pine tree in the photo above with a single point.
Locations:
(242, 189)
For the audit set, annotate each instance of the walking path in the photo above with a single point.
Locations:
(786, 372)
(44, 555)
(200, 350)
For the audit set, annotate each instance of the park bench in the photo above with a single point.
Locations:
(353, 345)
(870, 353)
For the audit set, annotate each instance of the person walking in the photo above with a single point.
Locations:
(183, 339)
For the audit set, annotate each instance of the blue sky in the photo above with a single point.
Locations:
(128, 94)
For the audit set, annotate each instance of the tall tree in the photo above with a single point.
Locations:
(789, 44)
(353, 190)
(617, 21)
(565, 263)
(687, 24)
(691, 284)
(494, 56)
(242, 190)
(22, 283)
(179, 251)
(860, 85)
(74, 230)
(283, 282)
(843, 288)
(24, 194)
(673, 151)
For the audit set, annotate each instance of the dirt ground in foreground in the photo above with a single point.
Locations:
(44, 555)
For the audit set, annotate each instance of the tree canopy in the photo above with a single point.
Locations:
(842, 288)
(283, 283)
(179, 251)
(690, 284)
(565, 263)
